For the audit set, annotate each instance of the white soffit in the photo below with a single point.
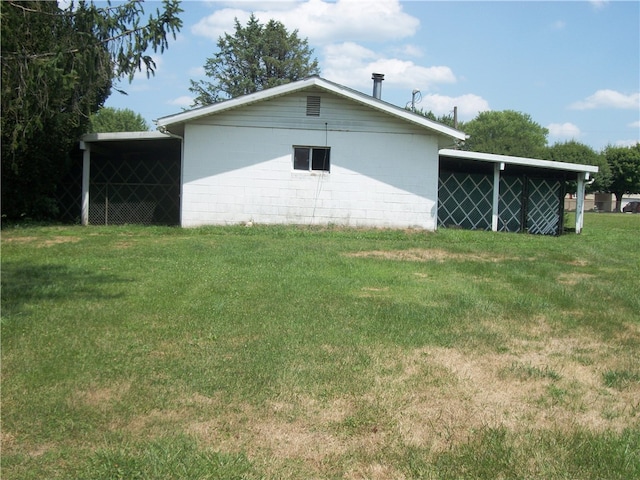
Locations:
(528, 162)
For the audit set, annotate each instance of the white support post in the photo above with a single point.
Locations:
(582, 176)
(496, 195)
(86, 165)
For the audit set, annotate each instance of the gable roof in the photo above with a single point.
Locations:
(307, 83)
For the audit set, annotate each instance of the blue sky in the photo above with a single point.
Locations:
(574, 66)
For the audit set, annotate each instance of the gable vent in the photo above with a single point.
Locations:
(313, 106)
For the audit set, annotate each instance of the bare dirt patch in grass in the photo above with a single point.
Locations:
(573, 278)
(12, 445)
(283, 429)
(578, 263)
(100, 397)
(154, 424)
(432, 398)
(564, 394)
(20, 240)
(59, 240)
(374, 471)
(47, 242)
(425, 255)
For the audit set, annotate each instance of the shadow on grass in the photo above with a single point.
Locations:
(24, 283)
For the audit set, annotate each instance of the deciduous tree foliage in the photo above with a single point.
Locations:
(58, 66)
(576, 152)
(446, 119)
(254, 58)
(506, 132)
(625, 171)
(109, 119)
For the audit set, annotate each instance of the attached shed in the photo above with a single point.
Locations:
(505, 193)
(131, 177)
(315, 152)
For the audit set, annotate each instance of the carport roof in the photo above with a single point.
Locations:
(121, 136)
(520, 161)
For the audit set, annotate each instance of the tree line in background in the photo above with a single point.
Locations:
(514, 133)
(58, 66)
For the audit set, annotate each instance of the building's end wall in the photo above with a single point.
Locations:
(240, 174)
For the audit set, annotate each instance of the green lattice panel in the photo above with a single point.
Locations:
(465, 200)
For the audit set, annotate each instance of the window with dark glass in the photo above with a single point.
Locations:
(311, 158)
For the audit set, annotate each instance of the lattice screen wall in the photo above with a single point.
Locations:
(544, 210)
(464, 200)
(531, 204)
(141, 190)
(510, 204)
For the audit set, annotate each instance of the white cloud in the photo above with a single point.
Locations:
(627, 143)
(635, 124)
(558, 25)
(469, 105)
(564, 130)
(220, 22)
(408, 51)
(183, 101)
(599, 4)
(253, 5)
(320, 21)
(608, 99)
(352, 64)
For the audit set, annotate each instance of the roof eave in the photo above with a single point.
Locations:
(119, 136)
(201, 112)
(318, 82)
(531, 162)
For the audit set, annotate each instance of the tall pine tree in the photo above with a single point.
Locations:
(254, 58)
(58, 66)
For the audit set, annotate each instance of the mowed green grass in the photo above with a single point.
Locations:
(299, 352)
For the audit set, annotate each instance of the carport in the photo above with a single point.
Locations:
(131, 177)
(508, 194)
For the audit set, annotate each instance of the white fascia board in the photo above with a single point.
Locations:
(304, 84)
(529, 162)
(269, 93)
(119, 136)
(390, 109)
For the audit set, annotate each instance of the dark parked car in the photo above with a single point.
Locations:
(633, 207)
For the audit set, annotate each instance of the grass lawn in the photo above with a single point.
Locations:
(298, 352)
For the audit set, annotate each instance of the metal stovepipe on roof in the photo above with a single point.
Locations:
(377, 84)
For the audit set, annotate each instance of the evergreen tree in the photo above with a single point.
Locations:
(58, 66)
(254, 58)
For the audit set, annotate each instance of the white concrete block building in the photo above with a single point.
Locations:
(309, 152)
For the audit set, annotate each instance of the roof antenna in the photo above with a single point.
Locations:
(415, 93)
